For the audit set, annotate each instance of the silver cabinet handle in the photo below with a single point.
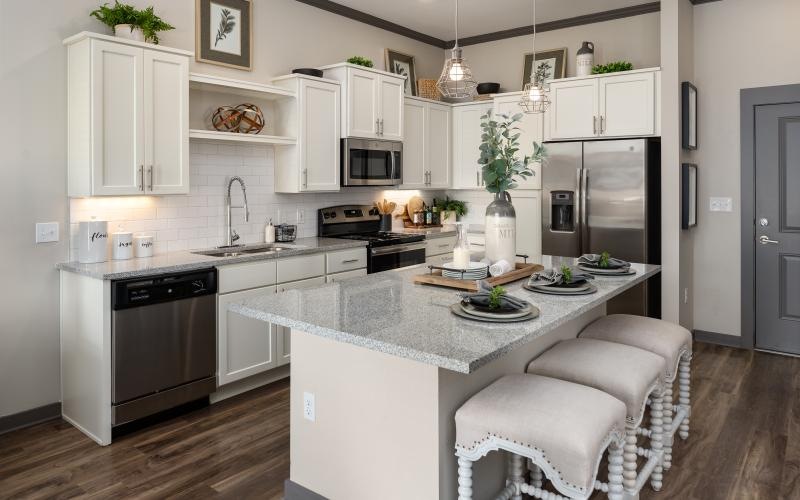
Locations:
(477, 244)
(377, 126)
(381, 127)
(141, 178)
(602, 125)
(594, 125)
(150, 175)
(477, 178)
(446, 245)
(350, 261)
(764, 239)
(305, 177)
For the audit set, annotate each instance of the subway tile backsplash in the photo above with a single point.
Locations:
(197, 220)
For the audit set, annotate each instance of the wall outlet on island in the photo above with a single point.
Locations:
(308, 406)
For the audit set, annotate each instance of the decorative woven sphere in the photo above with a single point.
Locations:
(244, 118)
(226, 119)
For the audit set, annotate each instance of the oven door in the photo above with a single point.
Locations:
(372, 163)
(395, 257)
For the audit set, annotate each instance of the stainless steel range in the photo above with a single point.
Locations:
(385, 250)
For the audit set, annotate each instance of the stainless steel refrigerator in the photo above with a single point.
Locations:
(605, 196)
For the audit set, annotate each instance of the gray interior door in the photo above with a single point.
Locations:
(777, 253)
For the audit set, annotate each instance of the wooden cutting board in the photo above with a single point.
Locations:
(522, 271)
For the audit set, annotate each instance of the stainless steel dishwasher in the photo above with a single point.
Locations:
(163, 342)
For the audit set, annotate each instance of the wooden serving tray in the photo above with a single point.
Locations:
(435, 278)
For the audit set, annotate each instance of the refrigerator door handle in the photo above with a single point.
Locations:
(584, 210)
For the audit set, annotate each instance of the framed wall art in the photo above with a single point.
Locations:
(688, 116)
(223, 32)
(550, 63)
(688, 195)
(403, 64)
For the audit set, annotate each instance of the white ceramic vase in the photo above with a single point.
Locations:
(501, 229)
(125, 31)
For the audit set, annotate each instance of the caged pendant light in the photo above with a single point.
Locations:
(535, 96)
(456, 80)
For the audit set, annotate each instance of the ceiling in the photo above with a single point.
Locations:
(477, 17)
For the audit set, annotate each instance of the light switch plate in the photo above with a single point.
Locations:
(46, 232)
(720, 204)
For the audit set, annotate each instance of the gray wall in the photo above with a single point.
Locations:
(287, 34)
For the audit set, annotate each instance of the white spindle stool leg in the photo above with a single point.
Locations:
(516, 476)
(668, 412)
(629, 459)
(537, 478)
(615, 489)
(684, 394)
(464, 479)
(656, 436)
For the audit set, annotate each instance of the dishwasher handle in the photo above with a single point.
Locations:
(139, 292)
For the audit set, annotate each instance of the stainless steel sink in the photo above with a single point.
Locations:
(235, 251)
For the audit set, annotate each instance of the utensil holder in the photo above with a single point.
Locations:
(386, 223)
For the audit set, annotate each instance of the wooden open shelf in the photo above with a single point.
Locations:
(241, 88)
(215, 135)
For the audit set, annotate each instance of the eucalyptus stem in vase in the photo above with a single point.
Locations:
(503, 167)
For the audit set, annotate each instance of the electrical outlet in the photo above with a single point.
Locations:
(301, 216)
(685, 295)
(46, 232)
(720, 204)
(308, 406)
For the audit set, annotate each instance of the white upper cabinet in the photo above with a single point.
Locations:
(372, 101)
(466, 143)
(617, 105)
(426, 145)
(314, 117)
(128, 120)
(531, 130)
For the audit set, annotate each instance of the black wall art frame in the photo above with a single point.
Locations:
(688, 195)
(688, 116)
(224, 33)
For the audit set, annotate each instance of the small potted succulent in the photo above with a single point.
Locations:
(129, 22)
(361, 61)
(451, 210)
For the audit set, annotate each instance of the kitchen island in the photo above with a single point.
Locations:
(380, 365)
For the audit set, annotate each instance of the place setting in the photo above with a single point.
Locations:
(604, 264)
(493, 305)
(562, 281)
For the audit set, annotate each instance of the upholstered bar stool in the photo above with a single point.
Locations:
(561, 427)
(670, 341)
(631, 375)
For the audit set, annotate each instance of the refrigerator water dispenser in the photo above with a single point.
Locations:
(562, 210)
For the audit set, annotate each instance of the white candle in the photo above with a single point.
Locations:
(461, 258)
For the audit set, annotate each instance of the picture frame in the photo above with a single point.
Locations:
(223, 33)
(556, 58)
(688, 116)
(403, 64)
(688, 195)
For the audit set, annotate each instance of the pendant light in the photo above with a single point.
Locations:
(456, 80)
(535, 98)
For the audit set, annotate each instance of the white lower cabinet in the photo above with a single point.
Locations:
(284, 334)
(245, 346)
(337, 277)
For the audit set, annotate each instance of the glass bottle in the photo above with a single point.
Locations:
(501, 229)
(461, 248)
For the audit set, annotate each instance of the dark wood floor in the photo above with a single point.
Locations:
(744, 444)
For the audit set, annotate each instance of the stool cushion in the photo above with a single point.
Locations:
(568, 425)
(628, 373)
(668, 340)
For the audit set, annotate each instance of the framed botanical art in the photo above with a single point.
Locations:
(688, 116)
(402, 64)
(551, 64)
(688, 195)
(223, 32)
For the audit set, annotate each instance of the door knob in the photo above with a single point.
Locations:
(764, 239)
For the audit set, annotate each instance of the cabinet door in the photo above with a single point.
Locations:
(337, 277)
(528, 206)
(437, 146)
(363, 89)
(166, 123)
(531, 130)
(627, 105)
(466, 143)
(284, 336)
(246, 345)
(574, 109)
(319, 141)
(392, 95)
(117, 122)
(414, 166)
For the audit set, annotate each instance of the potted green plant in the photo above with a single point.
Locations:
(451, 210)
(502, 168)
(360, 61)
(129, 22)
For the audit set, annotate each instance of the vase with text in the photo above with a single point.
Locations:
(501, 229)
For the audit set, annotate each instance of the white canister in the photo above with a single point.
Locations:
(121, 246)
(92, 241)
(143, 246)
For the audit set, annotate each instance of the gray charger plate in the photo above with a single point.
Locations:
(561, 291)
(605, 272)
(458, 311)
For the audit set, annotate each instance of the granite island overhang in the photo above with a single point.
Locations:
(387, 365)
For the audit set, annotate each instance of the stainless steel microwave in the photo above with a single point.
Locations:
(370, 162)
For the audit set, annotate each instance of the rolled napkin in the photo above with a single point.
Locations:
(500, 267)
(556, 277)
(593, 260)
(481, 298)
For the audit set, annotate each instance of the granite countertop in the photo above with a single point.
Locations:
(187, 261)
(388, 313)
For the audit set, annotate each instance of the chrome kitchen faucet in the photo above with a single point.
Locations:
(231, 236)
